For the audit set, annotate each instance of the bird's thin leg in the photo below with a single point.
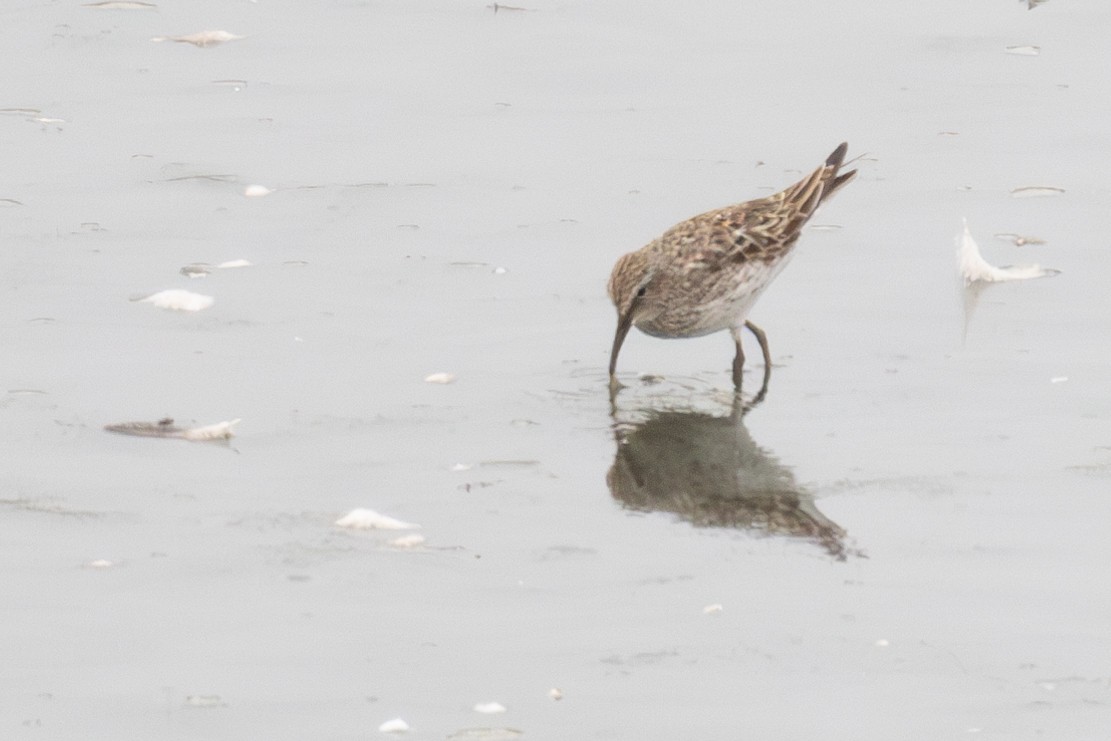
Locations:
(763, 340)
(738, 359)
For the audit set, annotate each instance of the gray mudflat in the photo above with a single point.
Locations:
(906, 539)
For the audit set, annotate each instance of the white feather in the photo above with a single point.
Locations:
(974, 267)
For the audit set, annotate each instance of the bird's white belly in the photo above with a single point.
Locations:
(688, 316)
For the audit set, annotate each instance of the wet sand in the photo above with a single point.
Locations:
(902, 539)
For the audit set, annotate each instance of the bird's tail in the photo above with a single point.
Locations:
(806, 195)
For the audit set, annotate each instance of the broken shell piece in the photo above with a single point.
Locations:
(1024, 51)
(974, 267)
(1018, 240)
(490, 708)
(218, 431)
(1036, 191)
(202, 39)
(178, 300)
(235, 264)
(166, 428)
(397, 725)
(368, 519)
(256, 191)
(710, 609)
(440, 378)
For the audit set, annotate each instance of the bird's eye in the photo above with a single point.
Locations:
(643, 290)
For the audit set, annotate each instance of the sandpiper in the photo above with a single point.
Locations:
(704, 274)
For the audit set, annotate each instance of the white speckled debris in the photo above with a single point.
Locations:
(368, 519)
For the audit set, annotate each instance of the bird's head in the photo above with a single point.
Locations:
(631, 290)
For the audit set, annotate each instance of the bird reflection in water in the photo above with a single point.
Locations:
(708, 470)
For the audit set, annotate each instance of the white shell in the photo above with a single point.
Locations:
(397, 725)
(218, 431)
(1024, 50)
(235, 264)
(256, 191)
(489, 708)
(440, 378)
(368, 519)
(179, 300)
(710, 609)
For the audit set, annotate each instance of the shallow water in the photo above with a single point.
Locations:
(414, 149)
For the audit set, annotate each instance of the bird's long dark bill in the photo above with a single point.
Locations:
(624, 323)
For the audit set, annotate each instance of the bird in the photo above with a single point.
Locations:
(704, 275)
